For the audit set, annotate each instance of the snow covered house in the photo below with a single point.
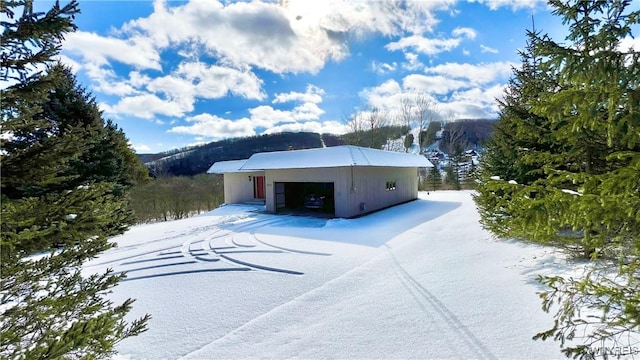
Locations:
(350, 180)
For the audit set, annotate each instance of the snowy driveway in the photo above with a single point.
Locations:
(420, 280)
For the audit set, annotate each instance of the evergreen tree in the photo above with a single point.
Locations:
(428, 136)
(53, 193)
(107, 156)
(408, 141)
(435, 179)
(452, 170)
(451, 176)
(574, 181)
(471, 175)
(510, 153)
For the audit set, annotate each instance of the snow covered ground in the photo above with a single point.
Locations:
(419, 280)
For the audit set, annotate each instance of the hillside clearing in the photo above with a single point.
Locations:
(419, 280)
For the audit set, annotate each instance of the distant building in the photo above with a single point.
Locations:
(350, 180)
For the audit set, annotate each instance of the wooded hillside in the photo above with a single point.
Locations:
(197, 159)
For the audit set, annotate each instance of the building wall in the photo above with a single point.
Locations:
(333, 175)
(357, 190)
(371, 192)
(238, 187)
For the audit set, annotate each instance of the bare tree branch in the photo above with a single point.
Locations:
(425, 112)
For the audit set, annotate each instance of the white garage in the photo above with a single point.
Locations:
(342, 181)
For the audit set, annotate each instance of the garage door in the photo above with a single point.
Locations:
(305, 198)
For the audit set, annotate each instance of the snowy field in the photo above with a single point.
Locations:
(420, 280)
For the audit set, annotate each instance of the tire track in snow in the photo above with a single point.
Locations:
(187, 272)
(245, 241)
(160, 266)
(131, 256)
(206, 231)
(152, 259)
(427, 299)
(258, 222)
(242, 246)
(260, 267)
(291, 250)
(282, 307)
(200, 244)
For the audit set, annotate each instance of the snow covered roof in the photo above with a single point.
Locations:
(336, 156)
(232, 166)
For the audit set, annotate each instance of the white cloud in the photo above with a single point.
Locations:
(141, 148)
(263, 116)
(424, 45)
(106, 81)
(479, 95)
(487, 49)
(266, 116)
(432, 46)
(196, 79)
(457, 90)
(382, 67)
(361, 17)
(384, 96)
(331, 126)
(137, 79)
(173, 87)
(629, 43)
(412, 62)
(67, 61)
(293, 36)
(313, 94)
(307, 111)
(135, 51)
(464, 31)
(464, 110)
(476, 73)
(513, 4)
(389, 95)
(147, 106)
(432, 84)
(474, 103)
(256, 33)
(174, 94)
(215, 127)
(222, 45)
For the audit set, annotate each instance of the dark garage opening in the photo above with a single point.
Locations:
(301, 198)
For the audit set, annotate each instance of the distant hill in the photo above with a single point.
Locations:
(197, 159)
(466, 134)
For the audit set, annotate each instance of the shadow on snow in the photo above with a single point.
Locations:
(374, 229)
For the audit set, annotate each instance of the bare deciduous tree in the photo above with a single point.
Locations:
(355, 121)
(425, 112)
(376, 118)
(406, 111)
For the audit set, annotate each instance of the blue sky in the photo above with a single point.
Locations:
(178, 73)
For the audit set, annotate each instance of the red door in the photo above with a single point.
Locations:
(258, 187)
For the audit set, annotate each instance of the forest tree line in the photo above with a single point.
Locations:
(468, 134)
(176, 197)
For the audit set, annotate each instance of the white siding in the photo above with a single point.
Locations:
(238, 187)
